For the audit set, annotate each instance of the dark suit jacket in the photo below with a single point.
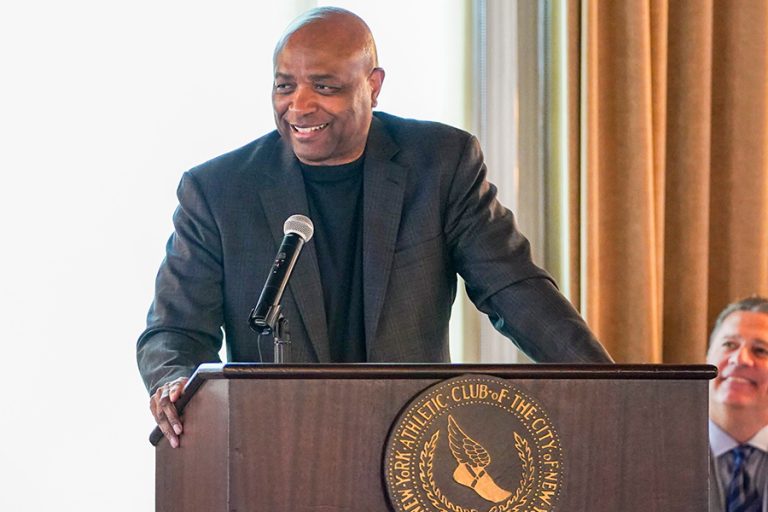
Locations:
(428, 214)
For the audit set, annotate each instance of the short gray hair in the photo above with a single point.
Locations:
(755, 303)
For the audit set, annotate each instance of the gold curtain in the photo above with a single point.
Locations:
(669, 188)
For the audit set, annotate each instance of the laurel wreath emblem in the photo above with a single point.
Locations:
(514, 504)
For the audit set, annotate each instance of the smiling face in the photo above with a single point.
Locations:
(739, 349)
(325, 88)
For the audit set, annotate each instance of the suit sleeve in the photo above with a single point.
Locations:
(494, 258)
(184, 323)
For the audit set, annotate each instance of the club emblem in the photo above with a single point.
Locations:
(474, 444)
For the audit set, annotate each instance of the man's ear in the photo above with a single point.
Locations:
(375, 80)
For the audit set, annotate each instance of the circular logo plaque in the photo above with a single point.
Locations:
(473, 444)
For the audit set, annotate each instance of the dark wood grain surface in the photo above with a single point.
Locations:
(312, 439)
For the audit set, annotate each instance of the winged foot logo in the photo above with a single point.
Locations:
(473, 459)
(474, 444)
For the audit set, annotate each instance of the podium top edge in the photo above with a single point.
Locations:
(226, 371)
(210, 371)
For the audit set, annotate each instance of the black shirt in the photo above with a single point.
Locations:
(335, 197)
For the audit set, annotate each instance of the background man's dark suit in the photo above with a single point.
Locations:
(428, 213)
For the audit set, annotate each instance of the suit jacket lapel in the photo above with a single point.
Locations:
(282, 195)
(383, 189)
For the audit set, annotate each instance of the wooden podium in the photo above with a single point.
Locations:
(312, 438)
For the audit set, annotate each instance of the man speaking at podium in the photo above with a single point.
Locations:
(399, 208)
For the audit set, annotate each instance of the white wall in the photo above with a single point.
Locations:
(102, 106)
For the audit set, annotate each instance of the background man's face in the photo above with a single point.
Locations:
(322, 98)
(739, 349)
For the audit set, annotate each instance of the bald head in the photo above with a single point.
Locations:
(337, 29)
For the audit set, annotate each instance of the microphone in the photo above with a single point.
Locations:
(298, 230)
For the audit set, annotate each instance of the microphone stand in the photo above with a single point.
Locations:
(277, 325)
(282, 339)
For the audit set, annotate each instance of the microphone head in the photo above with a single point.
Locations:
(300, 225)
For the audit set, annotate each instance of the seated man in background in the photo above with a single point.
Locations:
(738, 408)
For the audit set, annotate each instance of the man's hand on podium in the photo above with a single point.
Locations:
(163, 409)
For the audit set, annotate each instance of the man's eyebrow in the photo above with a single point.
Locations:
(326, 76)
(315, 78)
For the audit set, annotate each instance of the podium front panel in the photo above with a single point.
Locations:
(313, 443)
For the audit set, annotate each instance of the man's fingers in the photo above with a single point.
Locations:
(171, 415)
(177, 388)
(173, 391)
(165, 427)
(164, 411)
(163, 422)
